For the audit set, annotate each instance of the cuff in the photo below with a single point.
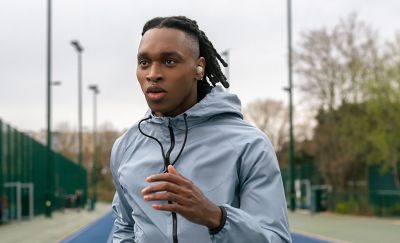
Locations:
(222, 223)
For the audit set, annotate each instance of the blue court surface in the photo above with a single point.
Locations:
(101, 232)
(299, 238)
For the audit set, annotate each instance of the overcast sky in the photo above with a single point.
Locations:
(109, 30)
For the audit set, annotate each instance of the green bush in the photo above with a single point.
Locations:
(349, 207)
(394, 210)
(388, 211)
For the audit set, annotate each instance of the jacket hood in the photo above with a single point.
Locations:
(217, 102)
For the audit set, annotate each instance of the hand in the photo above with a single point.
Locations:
(186, 198)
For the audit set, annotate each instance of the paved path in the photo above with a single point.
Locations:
(45, 230)
(342, 228)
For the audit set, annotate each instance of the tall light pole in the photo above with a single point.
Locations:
(96, 91)
(48, 201)
(290, 92)
(79, 50)
(225, 54)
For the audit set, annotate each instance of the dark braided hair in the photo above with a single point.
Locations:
(213, 73)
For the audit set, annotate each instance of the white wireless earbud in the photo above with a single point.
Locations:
(199, 69)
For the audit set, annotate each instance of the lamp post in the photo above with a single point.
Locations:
(93, 200)
(290, 92)
(49, 162)
(49, 159)
(79, 50)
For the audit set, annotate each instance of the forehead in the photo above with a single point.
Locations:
(167, 40)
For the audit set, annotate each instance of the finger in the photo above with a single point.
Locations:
(168, 207)
(163, 186)
(166, 196)
(169, 177)
(172, 170)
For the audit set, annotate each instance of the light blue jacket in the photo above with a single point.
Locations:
(232, 162)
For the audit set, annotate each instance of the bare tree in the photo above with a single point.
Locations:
(333, 64)
(65, 139)
(271, 117)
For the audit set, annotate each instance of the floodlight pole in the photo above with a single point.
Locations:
(93, 200)
(79, 49)
(290, 92)
(49, 193)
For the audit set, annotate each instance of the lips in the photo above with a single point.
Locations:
(155, 89)
(155, 93)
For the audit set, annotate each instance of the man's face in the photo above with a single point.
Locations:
(166, 70)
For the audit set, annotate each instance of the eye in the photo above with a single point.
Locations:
(143, 63)
(170, 62)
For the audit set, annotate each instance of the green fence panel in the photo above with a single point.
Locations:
(379, 196)
(2, 200)
(383, 193)
(23, 163)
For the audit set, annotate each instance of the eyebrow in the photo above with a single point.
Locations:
(162, 54)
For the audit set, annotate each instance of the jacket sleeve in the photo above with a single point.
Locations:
(124, 223)
(262, 213)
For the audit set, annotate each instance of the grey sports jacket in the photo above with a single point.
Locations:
(232, 162)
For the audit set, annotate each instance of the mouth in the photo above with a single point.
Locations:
(155, 93)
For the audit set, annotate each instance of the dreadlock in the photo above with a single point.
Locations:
(213, 73)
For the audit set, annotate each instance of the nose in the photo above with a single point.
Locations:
(154, 74)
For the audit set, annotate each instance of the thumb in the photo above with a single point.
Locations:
(172, 170)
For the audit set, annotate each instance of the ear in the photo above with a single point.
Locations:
(200, 68)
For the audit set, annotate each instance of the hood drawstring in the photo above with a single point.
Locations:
(184, 140)
(167, 162)
(166, 157)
